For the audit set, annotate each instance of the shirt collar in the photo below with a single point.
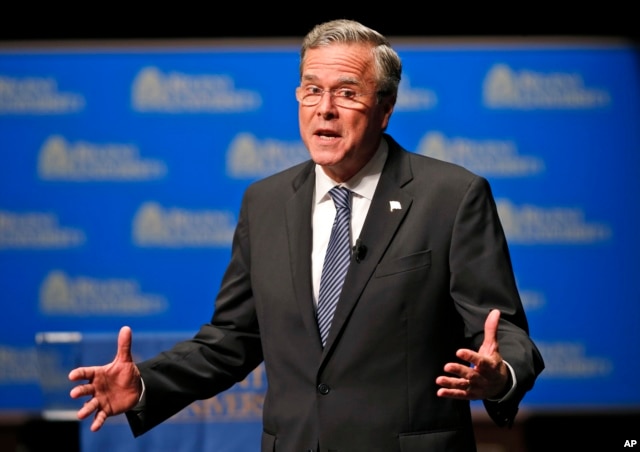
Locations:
(363, 183)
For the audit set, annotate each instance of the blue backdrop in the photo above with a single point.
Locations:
(122, 170)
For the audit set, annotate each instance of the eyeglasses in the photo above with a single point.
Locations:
(341, 97)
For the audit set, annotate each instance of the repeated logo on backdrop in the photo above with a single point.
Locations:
(527, 89)
(491, 158)
(35, 94)
(121, 179)
(82, 161)
(249, 157)
(175, 92)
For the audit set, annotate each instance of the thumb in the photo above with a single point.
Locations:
(489, 344)
(124, 345)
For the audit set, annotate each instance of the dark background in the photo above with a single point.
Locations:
(91, 21)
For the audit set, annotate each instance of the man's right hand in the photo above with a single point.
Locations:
(113, 388)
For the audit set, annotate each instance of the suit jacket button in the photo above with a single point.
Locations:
(323, 389)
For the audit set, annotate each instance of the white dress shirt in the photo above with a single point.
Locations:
(362, 185)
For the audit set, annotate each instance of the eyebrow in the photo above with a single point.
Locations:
(341, 80)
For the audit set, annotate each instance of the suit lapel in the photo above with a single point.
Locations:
(298, 212)
(380, 226)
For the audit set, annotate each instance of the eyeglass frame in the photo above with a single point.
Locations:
(332, 94)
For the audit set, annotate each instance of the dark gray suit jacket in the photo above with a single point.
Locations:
(432, 272)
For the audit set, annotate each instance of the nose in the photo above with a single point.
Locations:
(326, 107)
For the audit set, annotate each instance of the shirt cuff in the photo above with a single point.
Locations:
(142, 398)
(514, 383)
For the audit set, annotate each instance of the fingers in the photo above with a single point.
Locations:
(489, 347)
(460, 370)
(456, 388)
(82, 373)
(82, 391)
(89, 407)
(460, 384)
(124, 345)
(99, 380)
(475, 380)
(98, 421)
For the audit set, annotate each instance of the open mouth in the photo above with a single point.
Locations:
(326, 135)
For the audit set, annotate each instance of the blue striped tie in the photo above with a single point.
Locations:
(336, 261)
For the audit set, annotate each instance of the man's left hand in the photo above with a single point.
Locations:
(487, 375)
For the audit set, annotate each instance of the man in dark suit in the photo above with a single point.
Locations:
(429, 316)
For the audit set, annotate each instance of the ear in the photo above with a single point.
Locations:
(387, 109)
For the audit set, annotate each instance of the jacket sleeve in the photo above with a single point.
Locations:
(482, 279)
(223, 352)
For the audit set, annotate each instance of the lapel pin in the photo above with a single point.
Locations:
(394, 205)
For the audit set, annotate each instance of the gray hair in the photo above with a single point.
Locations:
(342, 31)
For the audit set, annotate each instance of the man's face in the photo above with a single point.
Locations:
(341, 139)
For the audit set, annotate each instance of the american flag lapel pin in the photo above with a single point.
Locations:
(394, 205)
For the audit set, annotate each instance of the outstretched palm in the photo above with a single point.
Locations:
(487, 374)
(113, 388)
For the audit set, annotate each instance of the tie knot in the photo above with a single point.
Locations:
(340, 197)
